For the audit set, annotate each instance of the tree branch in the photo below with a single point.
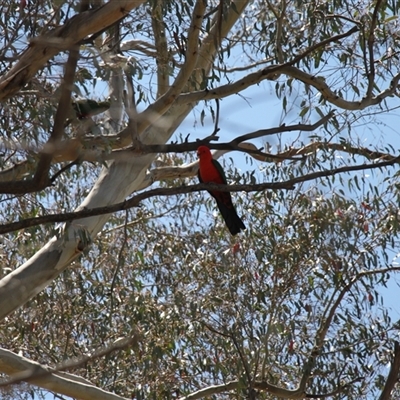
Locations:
(256, 77)
(232, 145)
(393, 376)
(135, 200)
(43, 48)
(59, 382)
(327, 320)
(300, 393)
(114, 185)
(41, 178)
(346, 148)
(163, 103)
(332, 97)
(211, 390)
(161, 46)
(371, 41)
(141, 149)
(41, 372)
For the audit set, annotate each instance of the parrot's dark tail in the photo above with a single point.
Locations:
(232, 220)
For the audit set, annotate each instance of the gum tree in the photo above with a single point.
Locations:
(117, 281)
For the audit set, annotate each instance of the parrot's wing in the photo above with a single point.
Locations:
(220, 170)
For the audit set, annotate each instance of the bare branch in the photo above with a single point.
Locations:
(73, 150)
(283, 128)
(338, 390)
(330, 96)
(232, 145)
(135, 200)
(244, 68)
(60, 382)
(256, 77)
(347, 148)
(269, 73)
(211, 390)
(139, 45)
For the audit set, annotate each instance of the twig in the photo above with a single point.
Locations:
(119, 265)
(63, 169)
(335, 392)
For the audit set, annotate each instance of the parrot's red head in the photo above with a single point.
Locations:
(204, 153)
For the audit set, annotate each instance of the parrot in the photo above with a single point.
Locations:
(210, 171)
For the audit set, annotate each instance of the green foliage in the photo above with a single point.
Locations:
(306, 278)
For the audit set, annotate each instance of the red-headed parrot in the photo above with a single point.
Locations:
(210, 171)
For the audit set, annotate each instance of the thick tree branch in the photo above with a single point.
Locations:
(43, 48)
(269, 73)
(30, 374)
(59, 382)
(330, 96)
(135, 200)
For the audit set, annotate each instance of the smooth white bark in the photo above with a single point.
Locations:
(64, 383)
